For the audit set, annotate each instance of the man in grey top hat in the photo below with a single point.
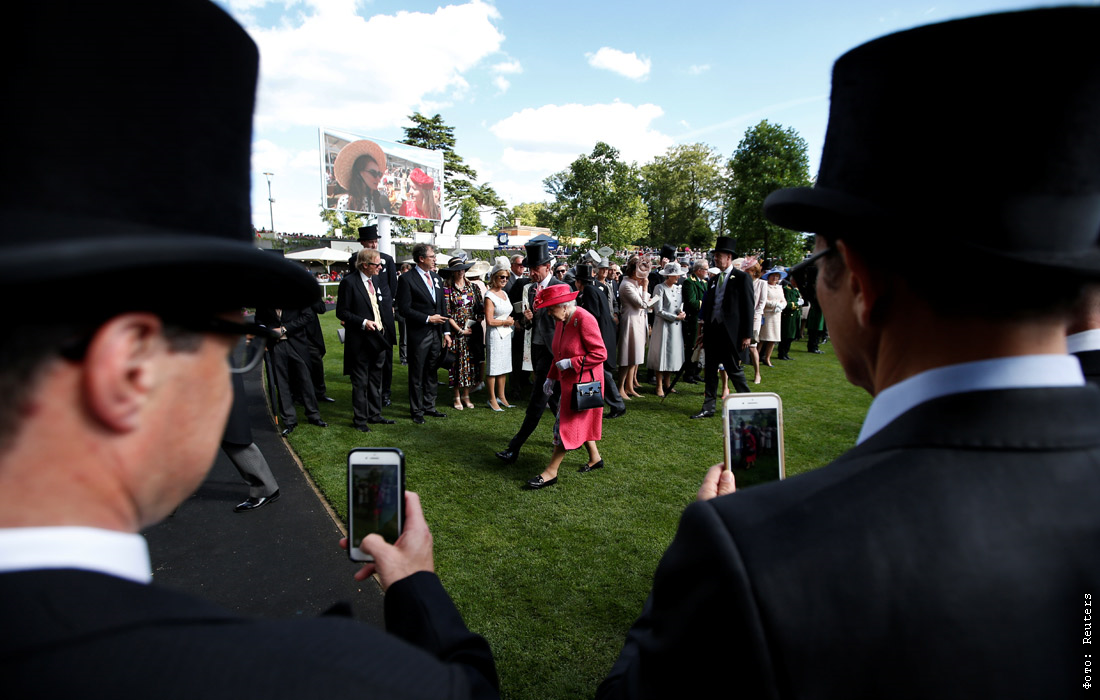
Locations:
(113, 411)
(958, 540)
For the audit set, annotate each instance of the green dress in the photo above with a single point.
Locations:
(694, 289)
(792, 314)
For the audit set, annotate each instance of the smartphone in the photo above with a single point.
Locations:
(376, 496)
(753, 427)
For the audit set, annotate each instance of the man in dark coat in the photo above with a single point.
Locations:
(517, 282)
(420, 300)
(289, 359)
(593, 299)
(726, 315)
(113, 414)
(541, 327)
(958, 539)
(317, 352)
(386, 280)
(368, 337)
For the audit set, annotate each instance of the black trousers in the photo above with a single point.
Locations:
(542, 359)
(521, 381)
(424, 354)
(283, 357)
(611, 394)
(720, 351)
(366, 387)
(387, 373)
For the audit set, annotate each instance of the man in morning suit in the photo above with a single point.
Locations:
(541, 327)
(113, 414)
(420, 300)
(290, 360)
(958, 540)
(386, 280)
(368, 323)
(517, 282)
(726, 319)
(593, 298)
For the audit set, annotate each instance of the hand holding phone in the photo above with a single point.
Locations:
(753, 432)
(411, 553)
(376, 497)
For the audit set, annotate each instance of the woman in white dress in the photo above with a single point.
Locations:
(666, 345)
(498, 336)
(775, 300)
(634, 300)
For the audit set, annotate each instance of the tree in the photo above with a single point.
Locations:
(768, 158)
(527, 213)
(598, 190)
(341, 223)
(681, 189)
(459, 178)
(469, 223)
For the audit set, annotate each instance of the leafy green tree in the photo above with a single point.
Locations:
(768, 158)
(342, 223)
(469, 223)
(528, 214)
(681, 189)
(599, 191)
(459, 185)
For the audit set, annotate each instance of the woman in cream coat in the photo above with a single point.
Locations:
(666, 346)
(634, 300)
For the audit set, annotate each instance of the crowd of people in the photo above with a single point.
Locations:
(950, 553)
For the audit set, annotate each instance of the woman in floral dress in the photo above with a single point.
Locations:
(463, 302)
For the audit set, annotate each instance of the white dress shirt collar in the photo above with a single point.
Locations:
(1025, 372)
(1083, 341)
(120, 554)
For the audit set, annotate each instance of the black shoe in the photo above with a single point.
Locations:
(419, 420)
(380, 421)
(590, 467)
(361, 428)
(435, 414)
(816, 352)
(251, 503)
(327, 399)
(704, 414)
(289, 429)
(616, 414)
(387, 402)
(690, 380)
(318, 422)
(538, 483)
(508, 455)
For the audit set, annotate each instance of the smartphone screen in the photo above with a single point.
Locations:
(376, 496)
(753, 425)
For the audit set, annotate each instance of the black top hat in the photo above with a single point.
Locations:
(144, 172)
(368, 233)
(668, 251)
(584, 274)
(725, 244)
(988, 143)
(537, 254)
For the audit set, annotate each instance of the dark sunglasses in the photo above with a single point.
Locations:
(804, 273)
(374, 173)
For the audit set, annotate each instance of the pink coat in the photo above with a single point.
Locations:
(578, 339)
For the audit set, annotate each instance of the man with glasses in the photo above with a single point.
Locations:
(420, 300)
(368, 323)
(958, 539)
(386, 281)
(112, 415)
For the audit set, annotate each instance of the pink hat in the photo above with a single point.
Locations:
(554, 294)
(420, 178)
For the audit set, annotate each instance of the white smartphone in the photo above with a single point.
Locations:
(376, 496)
(753, 427)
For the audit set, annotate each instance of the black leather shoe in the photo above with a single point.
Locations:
(387, 402)
(289, 429)
(816, 352)
(435, 414)
(327, 399)
(616, 414)
(380, 421)
(590, 467)
(538, 483)
(704, 414)
(318, 422)
(251, 503)
(508, 455)
(419, 420)
(361, 428)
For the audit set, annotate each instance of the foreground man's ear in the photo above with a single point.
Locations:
(120, 369)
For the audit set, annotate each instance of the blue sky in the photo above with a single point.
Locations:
(530, 85)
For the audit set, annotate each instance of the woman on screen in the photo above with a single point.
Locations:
(423, 205)
(359, 168)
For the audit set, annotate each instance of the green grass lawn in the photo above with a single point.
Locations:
(554, 578)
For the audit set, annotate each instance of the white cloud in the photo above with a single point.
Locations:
(511, 67)
(528, 161)
(699, 70)
(334, 67)
(627, 64)
(502, 83)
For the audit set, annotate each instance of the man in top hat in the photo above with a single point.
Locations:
(421, 301)
(725, 318)
(593, 298)
(113, 411)
(368, 322)
(517, 282)
(386, 281)
(540, 325)
(958, 539)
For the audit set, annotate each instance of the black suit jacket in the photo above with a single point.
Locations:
(415, 303)
(593, 299)
(541, 325)
(737, 308)
(297, 323)
(957, 543)
(353, 307)
(64, 629)
(1090, 364)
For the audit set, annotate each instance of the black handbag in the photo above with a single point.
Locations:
(587, 395)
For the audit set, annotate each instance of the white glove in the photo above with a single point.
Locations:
(564, 364)
(548, 387)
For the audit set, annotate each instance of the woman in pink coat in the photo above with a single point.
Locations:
(579, 354)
